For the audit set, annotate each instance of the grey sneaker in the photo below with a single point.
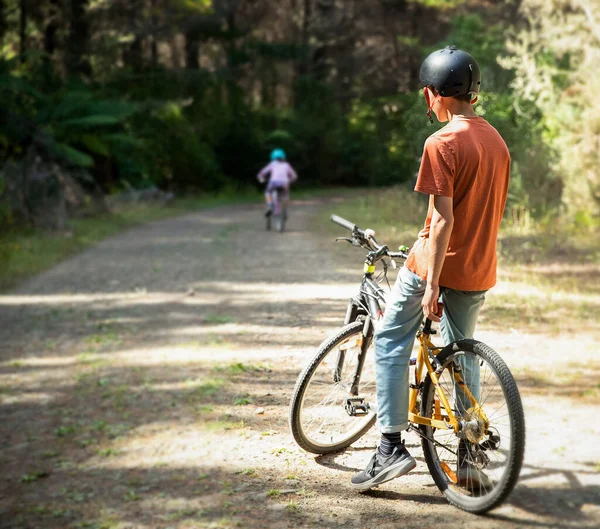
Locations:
(468, 475)
(381, 469)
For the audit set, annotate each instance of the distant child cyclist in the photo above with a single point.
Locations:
(281, 175)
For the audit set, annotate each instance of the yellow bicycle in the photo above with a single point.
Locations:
(464, 402)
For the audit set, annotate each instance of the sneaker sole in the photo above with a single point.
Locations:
(395, 471)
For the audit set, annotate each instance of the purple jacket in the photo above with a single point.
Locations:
(281, 174)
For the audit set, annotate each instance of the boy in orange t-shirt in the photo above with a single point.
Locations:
(465, 169)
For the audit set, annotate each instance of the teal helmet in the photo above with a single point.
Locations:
(277, 154)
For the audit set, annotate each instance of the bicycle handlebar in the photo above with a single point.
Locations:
(343, 222)
(367, 238)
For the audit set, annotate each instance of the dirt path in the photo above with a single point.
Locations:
(130, 377)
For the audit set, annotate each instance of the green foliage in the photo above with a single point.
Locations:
(194, 97)
(555, 57)
(68, 123)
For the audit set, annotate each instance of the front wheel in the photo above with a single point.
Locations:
(327, 411)
(478, 468)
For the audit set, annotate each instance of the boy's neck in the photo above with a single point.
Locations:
(456, 108)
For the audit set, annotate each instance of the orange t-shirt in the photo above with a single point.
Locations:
(468, 161)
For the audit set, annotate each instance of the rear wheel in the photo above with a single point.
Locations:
(477, 469)
(280, 221)
(326, 415)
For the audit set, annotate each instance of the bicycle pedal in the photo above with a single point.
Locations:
(357, 407)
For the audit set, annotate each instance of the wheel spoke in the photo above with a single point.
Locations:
(324, 420)
(479, 469)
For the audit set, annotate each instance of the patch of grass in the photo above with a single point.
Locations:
(268, 433)
(63, 431)
(90, 360)
(131, 495)
(218, 341)
(107, 452)
(39, 509)
(109, 522)
(224, 523)
(207, 388)
(61, 513)
(50, 454)
(103, 338)
(227, 488)
(223, 425)
(281, 450)
(100, 426)
(239, 368)
(306, 493)
(218, 319)
(292, 506)
(242, 401)
(182, 514)
(274, 493)
(251, 472)
(34, 476)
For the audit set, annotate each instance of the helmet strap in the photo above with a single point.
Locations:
(429, 104)
(475, 99)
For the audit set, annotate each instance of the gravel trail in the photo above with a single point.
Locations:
(131, 376)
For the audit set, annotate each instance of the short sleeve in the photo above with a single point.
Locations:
(438, 169)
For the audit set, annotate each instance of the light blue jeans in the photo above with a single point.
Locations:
(395, 339)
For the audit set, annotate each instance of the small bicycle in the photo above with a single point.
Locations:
(334, 400)
(278, 216)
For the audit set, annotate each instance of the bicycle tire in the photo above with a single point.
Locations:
(457, 496)
(279, 223)
(297, 427)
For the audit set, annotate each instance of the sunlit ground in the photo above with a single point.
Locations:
(135, 405)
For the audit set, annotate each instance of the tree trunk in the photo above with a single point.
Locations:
(78, 40)
(192, 43)
(133, 55)
(22, 25)
(51, 27)
(2, 21)
(154, 45)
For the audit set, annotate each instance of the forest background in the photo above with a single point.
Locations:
(191, 95)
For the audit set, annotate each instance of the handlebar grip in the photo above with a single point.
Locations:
(343, 222)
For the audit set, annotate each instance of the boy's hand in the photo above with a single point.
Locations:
(431, 308)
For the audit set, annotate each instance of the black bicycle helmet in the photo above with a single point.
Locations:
(452, 72)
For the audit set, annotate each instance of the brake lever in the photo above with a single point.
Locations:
(347, 239)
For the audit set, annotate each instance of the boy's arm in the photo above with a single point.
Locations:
(442, 223)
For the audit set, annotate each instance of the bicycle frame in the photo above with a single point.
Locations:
(368, 304)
